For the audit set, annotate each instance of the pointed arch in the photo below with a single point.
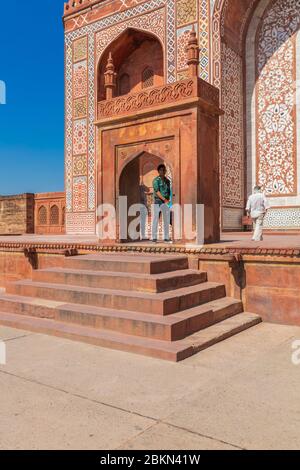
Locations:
(42, 216)
(54, 215)
(132, 51)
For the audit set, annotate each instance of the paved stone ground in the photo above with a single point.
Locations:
(275, 240)
(240, 394)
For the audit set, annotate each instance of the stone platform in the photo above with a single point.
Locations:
(148, 304)
(285, 242)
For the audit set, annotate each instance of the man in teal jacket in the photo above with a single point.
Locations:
(162, 201)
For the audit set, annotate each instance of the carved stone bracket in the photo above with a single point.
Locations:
(32, 256)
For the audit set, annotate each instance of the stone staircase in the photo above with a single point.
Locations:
(147, 304)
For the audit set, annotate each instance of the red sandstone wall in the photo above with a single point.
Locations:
(14, 265)
(17, 214)
(149, 54)
(273, 289)
(267, 286)
(21, 214)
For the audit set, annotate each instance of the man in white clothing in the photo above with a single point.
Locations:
(257, 207)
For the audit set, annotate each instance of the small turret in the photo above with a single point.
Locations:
(110, 78)
(193, 52)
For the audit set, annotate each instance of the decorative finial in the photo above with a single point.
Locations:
(193, 52)
(110, 78)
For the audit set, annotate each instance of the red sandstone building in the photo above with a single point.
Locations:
(249, 50)
(211, 89)
(42, 213)
(145, 105)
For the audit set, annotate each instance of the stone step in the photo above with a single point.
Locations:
(124, 281)
(128, 263)
(30, 306)
(158, 304)
(173, 351)
(220, 331)
(169, 328)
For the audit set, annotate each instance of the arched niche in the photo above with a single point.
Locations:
(133, 52)
(239, 38)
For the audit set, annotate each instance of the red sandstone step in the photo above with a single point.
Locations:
(30, 306)
(158, 304)
(223, 330)
(211, 312)
(125, 281)
(128, 263)
(173, 351)
(170, 328)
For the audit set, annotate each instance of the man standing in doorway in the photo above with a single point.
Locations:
(257, 208)
(162, 196)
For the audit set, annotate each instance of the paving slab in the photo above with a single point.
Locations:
(246, 348)
(33, 416)
(163, 436)
(257, 407)
(11, 333)
(139, 384)
(242, 393)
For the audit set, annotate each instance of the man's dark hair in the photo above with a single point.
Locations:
(161, 167)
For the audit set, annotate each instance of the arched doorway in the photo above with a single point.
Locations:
(136, 183)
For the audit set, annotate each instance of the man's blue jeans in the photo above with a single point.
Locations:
(157, 209)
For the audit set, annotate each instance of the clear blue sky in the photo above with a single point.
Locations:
(32, 121)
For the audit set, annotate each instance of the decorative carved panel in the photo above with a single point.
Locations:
(148, 98)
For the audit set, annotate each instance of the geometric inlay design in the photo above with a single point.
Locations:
(79, 137)
(186, 12)
(80, 194)
(80, 165)
(232, 141)
(285, 218)
(81, 222)
(80, 49)
(69, 127)
(80, 107)
(80, 79)
(183, 35)
(204, 39)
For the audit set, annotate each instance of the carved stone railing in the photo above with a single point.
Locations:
(159, 96)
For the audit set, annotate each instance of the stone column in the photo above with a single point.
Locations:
(110, 78)
(193, 53)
